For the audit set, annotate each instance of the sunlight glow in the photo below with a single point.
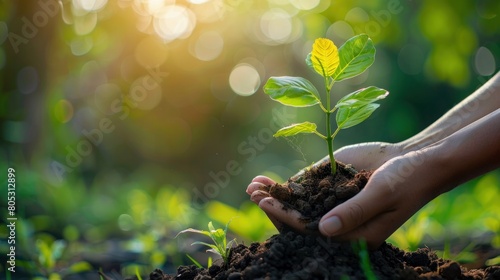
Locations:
(211, 11)
(244, 79)
(173, 22)
(198, 1)
(305, 4)
(208, 46)
(90, 5)
(276, 25)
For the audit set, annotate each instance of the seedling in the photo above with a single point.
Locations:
(334, 65)
(220, 245)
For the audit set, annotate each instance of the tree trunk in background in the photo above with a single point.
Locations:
(31, 27)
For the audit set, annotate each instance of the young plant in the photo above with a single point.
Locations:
(220, 245)
(334, 65)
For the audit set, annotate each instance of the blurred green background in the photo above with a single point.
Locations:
(127, 121)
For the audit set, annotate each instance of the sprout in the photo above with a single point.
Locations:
(334, 65)
(220, 245)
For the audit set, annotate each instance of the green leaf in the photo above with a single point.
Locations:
(305, 127)
(309, 62)
(219, 237)
(362, 97)
(57, 249)
(198, 265)
(204, 232)
(80, 267)
(351, 116)
(208, 245)
(292, 91)
(356, 55)
(324, 57)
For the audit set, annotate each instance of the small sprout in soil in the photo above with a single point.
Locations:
(220, 245)
(364, 257)
(334, 65)
(195, 262)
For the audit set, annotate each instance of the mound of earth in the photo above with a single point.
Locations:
(291, 255)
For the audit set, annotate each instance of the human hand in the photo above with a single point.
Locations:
(362, 156)
(373, 214)
(368, 156)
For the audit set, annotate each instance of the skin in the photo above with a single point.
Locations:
(461, 145)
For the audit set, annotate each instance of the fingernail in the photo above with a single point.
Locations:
(257, 196)
(331, 225)
(254, 186)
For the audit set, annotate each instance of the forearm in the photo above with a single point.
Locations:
(479, 104)
(466, 154)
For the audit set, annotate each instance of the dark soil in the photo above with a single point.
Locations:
(316, 192)
(290, 255)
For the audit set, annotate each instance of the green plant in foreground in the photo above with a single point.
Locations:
(334, 65)
(364, 257)
(220, 245)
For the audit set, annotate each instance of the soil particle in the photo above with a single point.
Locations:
(278, 190)
(450, 270)
(346, 191)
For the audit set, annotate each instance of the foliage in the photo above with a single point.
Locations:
(50, 254)
(251, 224)
(364, 258)
(195, 262)
(444, 221)
(352, 59)
(220, 245)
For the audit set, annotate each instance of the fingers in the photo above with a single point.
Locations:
(263, 180)
(375, 231)
(353, 213)
(279, 216)
(258, 195)
(257, 184)
(272, 207)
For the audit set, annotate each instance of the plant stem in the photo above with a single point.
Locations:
(329, 137)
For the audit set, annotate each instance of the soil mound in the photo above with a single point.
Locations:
(290, 255)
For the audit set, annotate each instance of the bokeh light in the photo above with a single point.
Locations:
(244, 79)
(276, 25)
(85, 23)
(63, 111)
(208, 46)
(305, 4)
(81, 46)
(484, 62)
(145, 93)
(173, 22)
(90, 5)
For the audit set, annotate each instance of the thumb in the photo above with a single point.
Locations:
(354, 212)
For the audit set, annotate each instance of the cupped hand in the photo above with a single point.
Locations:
(273, 207)
(394, 192)
(390, 197)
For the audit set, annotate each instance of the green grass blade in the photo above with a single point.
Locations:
(194, 261)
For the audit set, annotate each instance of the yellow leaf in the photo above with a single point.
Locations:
(324, 57)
